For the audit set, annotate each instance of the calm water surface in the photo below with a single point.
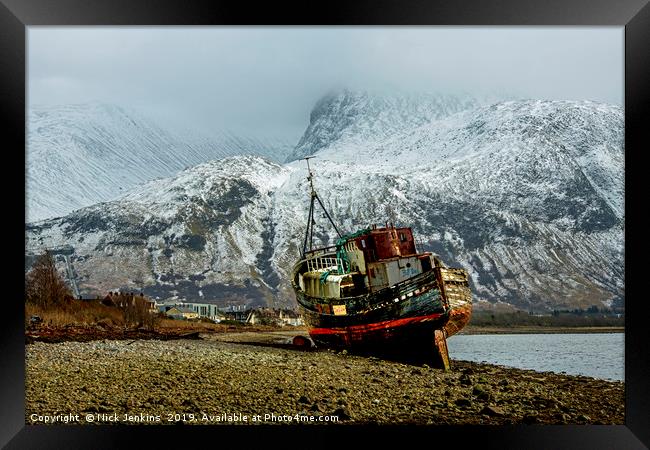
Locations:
(598, 355)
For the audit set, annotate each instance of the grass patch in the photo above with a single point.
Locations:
(75, 313)
(94, 314)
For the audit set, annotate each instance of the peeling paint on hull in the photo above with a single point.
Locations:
(396, 332)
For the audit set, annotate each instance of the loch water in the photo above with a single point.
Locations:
(598, 355)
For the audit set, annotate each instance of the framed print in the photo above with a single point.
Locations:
(409, 219)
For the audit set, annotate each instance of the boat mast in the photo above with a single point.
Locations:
(309, 233)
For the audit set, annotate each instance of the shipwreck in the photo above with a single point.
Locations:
(374, 292)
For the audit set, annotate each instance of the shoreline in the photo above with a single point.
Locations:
(86, 333)
(469, 329)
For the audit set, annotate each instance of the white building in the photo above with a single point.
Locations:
(208, 310)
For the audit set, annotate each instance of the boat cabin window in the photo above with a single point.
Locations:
(402, 237)
(363, 243)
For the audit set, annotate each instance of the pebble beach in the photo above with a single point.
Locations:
(227, 379)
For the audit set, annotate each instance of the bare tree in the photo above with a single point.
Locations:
(44, 286)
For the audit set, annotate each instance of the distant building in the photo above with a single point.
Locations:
(123, 299)
(291, 317)
(182, 313)
(208, 310)
(239, 316)
(232, 308)
(163, 308)
(263, 316)
(277, 317)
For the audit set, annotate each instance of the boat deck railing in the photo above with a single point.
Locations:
(322, 259)
(323, 263)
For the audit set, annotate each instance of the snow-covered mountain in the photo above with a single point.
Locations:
(362, 118)
(527, 195)
(79, 155)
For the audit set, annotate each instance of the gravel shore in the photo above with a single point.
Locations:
(212, 381)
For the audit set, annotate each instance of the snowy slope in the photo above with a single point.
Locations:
(78, 155)
(361, 119)
(527, 195)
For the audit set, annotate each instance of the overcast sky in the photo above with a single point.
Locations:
(265, 80)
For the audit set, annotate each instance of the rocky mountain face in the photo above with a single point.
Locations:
(79, 155)
(526, 195)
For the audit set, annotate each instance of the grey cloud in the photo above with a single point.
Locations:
(264, 80)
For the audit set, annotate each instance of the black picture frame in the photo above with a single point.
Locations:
(634, 15)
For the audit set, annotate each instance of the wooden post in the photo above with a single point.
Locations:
(440, 351)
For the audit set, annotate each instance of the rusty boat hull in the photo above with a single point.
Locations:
(412, 318)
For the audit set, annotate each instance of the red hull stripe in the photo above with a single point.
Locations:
(377, 325)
